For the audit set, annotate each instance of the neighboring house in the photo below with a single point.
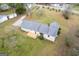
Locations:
(60, 6)
(4, 7)
(57, 6)
(49, 32)
(3, 18)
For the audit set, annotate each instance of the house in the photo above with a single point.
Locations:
(3, 18)
(4, 7)
(49, 31)
(60, 6)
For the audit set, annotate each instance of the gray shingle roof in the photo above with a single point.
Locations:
(53, 29)
(30, 25)
(42, 28)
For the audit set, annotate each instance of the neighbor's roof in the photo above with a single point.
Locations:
(53, 29)
(30, 25)
(4, 6)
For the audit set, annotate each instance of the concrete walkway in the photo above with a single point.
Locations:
(18, 22)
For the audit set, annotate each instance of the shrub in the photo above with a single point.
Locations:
(59, 31)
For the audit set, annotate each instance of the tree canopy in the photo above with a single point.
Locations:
(20, 9)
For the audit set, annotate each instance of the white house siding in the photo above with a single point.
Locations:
(27, 30)
(12, 15)
(3, 19)
(51, 38)
(37, 33)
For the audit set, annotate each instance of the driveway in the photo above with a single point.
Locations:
(18, 22)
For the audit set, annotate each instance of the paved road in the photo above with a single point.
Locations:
(18, 22)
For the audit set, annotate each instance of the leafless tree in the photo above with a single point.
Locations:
(67, 11)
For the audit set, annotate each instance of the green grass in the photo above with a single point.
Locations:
(18, 43)
(26, 45)
(75, 7)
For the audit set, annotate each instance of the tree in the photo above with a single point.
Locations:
(28, 7)
(67, 11)
(20, 9)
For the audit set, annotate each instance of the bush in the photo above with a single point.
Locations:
(20, 10)
(59, 31)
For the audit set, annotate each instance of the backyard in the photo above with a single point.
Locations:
(17, 43)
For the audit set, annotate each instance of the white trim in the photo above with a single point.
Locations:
(50, 38)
